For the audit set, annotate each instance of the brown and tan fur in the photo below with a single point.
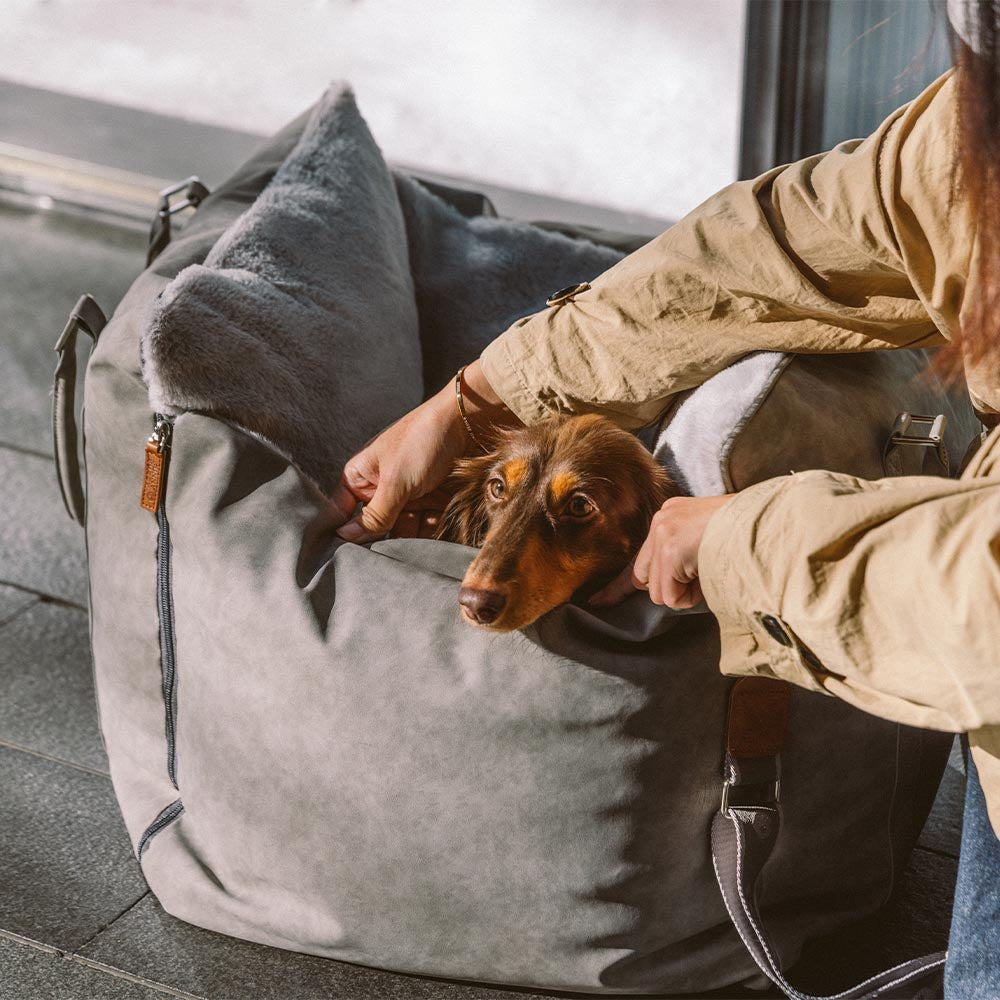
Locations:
(554, 507)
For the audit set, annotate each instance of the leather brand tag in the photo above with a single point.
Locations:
(152, 478)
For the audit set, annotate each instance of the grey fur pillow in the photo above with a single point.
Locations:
(475, 276)
(301, 325)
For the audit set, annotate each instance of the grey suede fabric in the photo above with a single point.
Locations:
(366, 777)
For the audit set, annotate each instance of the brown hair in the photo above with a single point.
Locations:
(979, 178)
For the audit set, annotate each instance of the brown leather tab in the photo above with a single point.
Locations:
(758, 711)
(152, 478)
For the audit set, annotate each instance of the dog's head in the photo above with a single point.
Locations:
(555, 506)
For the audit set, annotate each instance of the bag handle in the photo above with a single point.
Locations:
(745, 831)
(159, 233)
(86, 316)
(904, 435)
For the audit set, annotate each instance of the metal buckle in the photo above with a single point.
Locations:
(194, 194)
(934, 437)
(753, 800)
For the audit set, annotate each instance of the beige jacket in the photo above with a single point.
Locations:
(888, 592)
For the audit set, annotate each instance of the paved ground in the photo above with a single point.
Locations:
(76, 919)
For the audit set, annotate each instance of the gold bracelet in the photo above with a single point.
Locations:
(461, 409)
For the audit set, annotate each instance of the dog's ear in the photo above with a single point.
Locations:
(464, 519)
(653, 487)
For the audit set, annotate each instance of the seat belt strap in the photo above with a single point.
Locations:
(745, 831)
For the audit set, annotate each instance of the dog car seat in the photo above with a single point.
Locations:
(309, 746)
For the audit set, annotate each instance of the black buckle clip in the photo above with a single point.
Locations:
(754, 795)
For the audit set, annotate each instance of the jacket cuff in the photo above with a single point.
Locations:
(508, 380)
(755, 640)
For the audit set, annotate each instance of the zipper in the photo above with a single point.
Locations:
(153, 499)
(165, 818)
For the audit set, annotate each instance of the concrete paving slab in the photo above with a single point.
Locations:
(13, 601)
(66, 865)
(49, 260)
(31, 974)
(41, 549)
(919, 916)
(943, 830)
(46, 677)
(150, 943)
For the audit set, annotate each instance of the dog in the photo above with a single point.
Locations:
(554, 507)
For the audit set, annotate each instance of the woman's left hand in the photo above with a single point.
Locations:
(667, 563)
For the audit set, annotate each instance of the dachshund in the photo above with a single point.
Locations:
(554, 507)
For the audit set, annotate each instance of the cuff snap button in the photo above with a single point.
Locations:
(774, 629)
(566, 294)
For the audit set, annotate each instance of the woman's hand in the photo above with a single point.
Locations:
(667, 563)
(396, 476)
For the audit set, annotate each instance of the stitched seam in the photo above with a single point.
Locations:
(892, 806)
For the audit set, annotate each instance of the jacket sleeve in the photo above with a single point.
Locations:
(883, 593)
(856, 249)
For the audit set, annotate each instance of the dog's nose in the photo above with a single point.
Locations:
(483, 605)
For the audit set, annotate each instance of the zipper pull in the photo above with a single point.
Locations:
(152, 474)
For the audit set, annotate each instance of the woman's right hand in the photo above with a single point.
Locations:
(396, 476)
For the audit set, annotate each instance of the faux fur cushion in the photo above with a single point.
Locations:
(301, 325)
(475, 276)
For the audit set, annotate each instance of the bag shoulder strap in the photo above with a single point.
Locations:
(745, 831)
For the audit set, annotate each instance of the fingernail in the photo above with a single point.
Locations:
(351, 531)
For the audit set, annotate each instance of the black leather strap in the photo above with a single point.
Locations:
(86, 316)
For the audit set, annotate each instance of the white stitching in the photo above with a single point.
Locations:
(735, 922)
(775, 973)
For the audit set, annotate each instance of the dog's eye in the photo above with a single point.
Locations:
(496, 489)
(579, 506)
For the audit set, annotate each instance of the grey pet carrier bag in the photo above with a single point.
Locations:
(311, 749)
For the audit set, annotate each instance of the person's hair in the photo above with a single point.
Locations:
(979, 176)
